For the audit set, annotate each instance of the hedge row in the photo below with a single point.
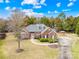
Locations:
(50, 40)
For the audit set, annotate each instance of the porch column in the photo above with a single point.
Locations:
(53, 37)
(45, 36)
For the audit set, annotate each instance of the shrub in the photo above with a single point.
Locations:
(43, 40)
(50, 40)
(2, 36)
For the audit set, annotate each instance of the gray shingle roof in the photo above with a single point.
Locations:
(36, 28)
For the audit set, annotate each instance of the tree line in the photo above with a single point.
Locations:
(18, 20)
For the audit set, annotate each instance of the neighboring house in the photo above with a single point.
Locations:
(37, 31)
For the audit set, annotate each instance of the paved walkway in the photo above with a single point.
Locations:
(65, 48)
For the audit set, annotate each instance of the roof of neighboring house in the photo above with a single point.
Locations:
(36, 28)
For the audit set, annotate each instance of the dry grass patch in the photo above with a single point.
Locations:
(2, 56)
(31, 51)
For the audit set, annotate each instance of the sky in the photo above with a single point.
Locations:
(40, 8)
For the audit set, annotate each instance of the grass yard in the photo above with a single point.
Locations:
(2, 56)
(75, 46)
(75, 50)
(31, 51)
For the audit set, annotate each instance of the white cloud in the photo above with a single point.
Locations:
(27, 10)
(1, 1)
(37, 7)
(43, 2)
(34, 2)
(66, 10)
(77, 15)
(70, 4)
(72, 0)
(53, 12)
(56, 12)
(7, 1)
(58, 4)
(49, 12)
(13, 8)
(30, 12)
(7, 8)
(39, 14)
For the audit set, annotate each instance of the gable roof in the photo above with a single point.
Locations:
(48, 30)
(36, 28)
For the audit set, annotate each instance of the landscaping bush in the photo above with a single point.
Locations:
(50, 40)
(43, 40)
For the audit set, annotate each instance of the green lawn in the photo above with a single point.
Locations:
(31, 51)
(75, 46)
(2, 56)
(75, 50)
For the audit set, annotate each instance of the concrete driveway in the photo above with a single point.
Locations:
(65, 48)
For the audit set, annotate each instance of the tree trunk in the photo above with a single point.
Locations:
(18, 43)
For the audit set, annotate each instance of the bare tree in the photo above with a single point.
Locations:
(15, 24)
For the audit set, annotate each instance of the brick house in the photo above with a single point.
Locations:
(37, 31)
